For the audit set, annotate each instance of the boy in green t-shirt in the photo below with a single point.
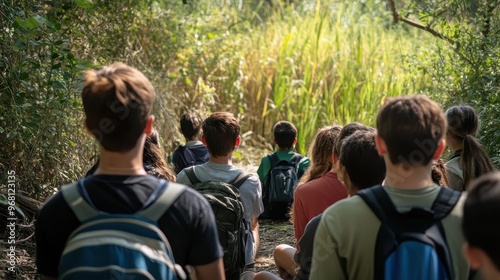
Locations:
(285, 137)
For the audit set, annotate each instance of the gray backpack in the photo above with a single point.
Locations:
(228, 210)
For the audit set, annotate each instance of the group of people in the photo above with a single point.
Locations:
(347, 171)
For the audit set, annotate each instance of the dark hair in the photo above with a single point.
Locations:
(320, 153)
(411, 127)
(155, 158)
(117, 101)
(285, 134)
(438, 173)
(480, 216)
(361, 160)
(220, 131)
(463, 124)
(346, 131)
(190, 125)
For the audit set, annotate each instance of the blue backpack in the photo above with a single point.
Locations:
(411, 245)
(119, 246)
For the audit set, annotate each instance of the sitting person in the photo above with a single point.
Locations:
(361, 167)
(194, 152)
(480, 225)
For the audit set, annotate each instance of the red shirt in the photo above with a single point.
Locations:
(312, 198)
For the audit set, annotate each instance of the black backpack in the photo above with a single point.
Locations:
(228, 210)
(411, 245)
(280, 185)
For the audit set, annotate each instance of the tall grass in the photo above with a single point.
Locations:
(330, 64)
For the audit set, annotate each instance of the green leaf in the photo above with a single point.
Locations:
(11, 134)
(57, 85)
(25, 105)
(83, 4)
(20, 45)
(24, 76)
(1, 129)
(29, 23)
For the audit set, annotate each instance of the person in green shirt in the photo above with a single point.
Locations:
(285, 137)
(410, 137)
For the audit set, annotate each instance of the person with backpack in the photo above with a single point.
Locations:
(406, 228)
(280, 172)
(480, 225)
(236, 197)
(121, 223)
(469, 159)
(361, 167)
(194, 152)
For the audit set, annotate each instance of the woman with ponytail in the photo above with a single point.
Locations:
(469, 159)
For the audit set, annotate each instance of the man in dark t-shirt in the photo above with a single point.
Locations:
(117, 101)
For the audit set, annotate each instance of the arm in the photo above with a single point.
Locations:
(255, 232)
(299, 218)
(211, 271)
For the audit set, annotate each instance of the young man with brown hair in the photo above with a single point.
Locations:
(118, 101)
(410, 136)
(221, 135)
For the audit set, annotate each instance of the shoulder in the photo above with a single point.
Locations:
(347, 209)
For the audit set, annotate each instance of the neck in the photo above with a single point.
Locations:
(122, 163)
(411, 178)
(222, 159)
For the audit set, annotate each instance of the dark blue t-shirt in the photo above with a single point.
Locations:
(189, 224)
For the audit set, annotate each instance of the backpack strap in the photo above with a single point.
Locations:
(187, 156)
(445, 202)
(240, 179)
(375, 197)
(78, 205)
(163, 202)
(273, 160)
(191, 176)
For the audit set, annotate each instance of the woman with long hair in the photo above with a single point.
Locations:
(469, 159)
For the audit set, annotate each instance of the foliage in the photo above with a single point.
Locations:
(466, 66)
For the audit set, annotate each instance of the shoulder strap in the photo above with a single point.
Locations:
(273, 159)
(163, 202)
(191, 176)
(240, 179)
(375, 197)
(295, 159)
(78, 205)
(445, 202)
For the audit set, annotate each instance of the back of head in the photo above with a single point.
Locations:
(220, 131)
(411, 127)
(463, 124)
(190, 125)
(284, 134)
(320, 153)
(480, 216)
(347, 131)
(360, 158)
(117, 100)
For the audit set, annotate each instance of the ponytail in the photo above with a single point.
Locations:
(474, 160)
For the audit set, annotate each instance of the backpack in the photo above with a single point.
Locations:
(228, 210)
(188, 158)
(281, 182)
(119, 246)
(411, 245)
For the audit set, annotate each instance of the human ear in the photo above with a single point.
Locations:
(473, 256)
(148, 129)
(238, 141)
(439, 150)
(381, 147)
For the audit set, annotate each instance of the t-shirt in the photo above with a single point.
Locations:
(250, 191)
(188, 224)
(344, 243)
(265, 164)
(303, 256)
(199, 151)
(455, 173)
(313, 197)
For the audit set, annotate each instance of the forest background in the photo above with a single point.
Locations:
(313, 63)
